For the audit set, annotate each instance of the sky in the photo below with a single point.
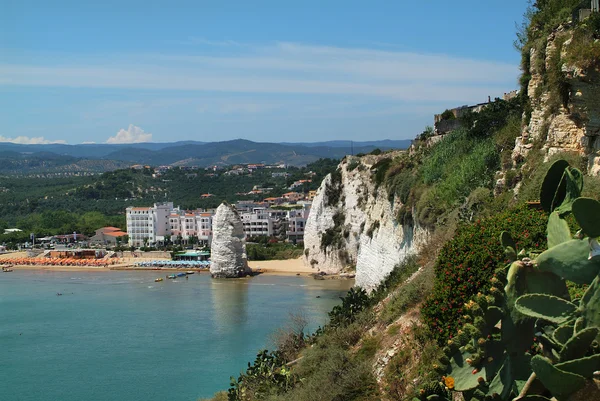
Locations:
(129, 71)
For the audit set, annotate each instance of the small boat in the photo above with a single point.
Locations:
(181, 274)
(171, 276)
(156, 280)
(7, 269)
(189, 272)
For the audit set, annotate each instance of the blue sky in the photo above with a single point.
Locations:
(130, 71)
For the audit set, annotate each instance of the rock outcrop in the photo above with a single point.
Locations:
(228, 249)
(564, 117)
(353, 224)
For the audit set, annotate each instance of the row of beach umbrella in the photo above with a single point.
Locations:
(60, 262)
(174, 263)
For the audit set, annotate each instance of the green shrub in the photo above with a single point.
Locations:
(466, 263)
(448, 115)
(380, 168)
(397, 276)
(584, 51)
(330, 372)
(355, 301)
(334, 190)
(369, 348)
(408, 295)
(353, 164)
(372, 229)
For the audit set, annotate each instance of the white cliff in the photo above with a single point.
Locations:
(228, 249)
(354, 224)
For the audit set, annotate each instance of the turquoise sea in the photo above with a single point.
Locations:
(117, 335)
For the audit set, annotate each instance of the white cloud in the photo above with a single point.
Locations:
(284, 68)
(133, 134)
(25, 140)
(88, 143)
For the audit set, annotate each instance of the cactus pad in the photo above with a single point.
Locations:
(570, 260)
(562, 334)
(554, 187)
(547, 307)
(587, 214)
(591, 300)
(558, 230)
(559, 382)
(578, 345)
(583, 366)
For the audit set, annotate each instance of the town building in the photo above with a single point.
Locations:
(108, 236)
(296, 222)
(148, 225)
(151, 225)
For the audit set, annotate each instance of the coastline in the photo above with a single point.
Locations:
(284, 267)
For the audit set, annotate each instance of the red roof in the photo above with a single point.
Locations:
(116, 234)
(109, 229)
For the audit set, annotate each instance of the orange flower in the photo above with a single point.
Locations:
(449, 382)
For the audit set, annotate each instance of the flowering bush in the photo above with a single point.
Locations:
(466, 264)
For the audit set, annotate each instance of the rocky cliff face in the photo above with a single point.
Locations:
(353, 223)
(565, 113)
(228, 250)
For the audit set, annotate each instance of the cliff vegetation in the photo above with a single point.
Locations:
(502, 301)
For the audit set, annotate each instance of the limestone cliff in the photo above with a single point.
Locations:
(565, 101)
(353, 223)
(228, 250)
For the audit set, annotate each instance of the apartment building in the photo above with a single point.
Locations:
(296, 222)
(150, 225)
(188, 225)
(147, 225)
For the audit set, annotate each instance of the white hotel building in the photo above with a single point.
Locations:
(147, 225)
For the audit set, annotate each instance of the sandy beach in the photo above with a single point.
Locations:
(280, 267)
(288, 266)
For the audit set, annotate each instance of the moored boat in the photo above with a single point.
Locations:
(181, 274)
(7, 269)
(156, 280)
(171, 276)
(189, 272)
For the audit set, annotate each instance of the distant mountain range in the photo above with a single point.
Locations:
(51, 158)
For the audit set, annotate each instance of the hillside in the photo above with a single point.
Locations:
(58, 158)
(475, 252)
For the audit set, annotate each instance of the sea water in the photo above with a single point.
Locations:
(118, 335)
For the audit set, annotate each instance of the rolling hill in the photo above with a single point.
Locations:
(55, 158)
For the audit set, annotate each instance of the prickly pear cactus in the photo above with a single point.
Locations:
(494, 357)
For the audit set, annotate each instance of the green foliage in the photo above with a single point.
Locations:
(110, 193)
(455, 167)
(334, 236)
(372, 228)
(268, 375)
(353, 164)
(380, 168)
(448, 115)
(408, 295)
(494, 352)
(333, 191)
(467, 262)
(493, 117)
(355, 301)
(273, 251)
(369, 347)
(584, 49)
